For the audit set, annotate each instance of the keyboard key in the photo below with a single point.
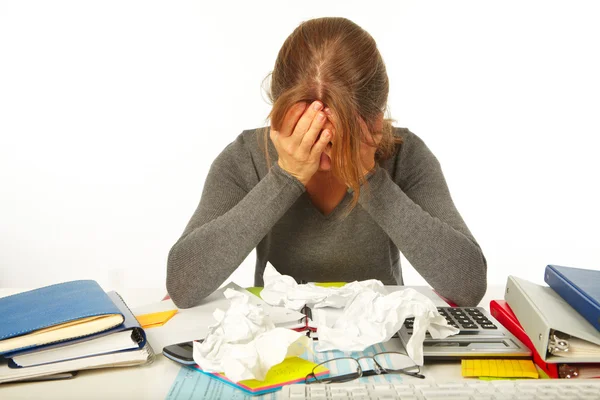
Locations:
(297, 392)
(350, 386)
(383, 393)
(592, 387)
(441, 392)
(334, 389)
(403, 394)
(403, 388)
(451, 385)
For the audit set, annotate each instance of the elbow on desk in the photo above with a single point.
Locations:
(178, 295)
(184, 292)
(186, 295)
(470, 292)
(473, 294)
(181, 287)
(189, 278)
(469, 295)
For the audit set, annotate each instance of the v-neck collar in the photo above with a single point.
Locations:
(337, 209)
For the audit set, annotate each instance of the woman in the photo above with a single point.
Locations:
(330, 191)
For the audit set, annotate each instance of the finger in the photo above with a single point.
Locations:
(313, 132)
(329, 125)
(321, 144)
(305, 122)
(291, 118)
(330, 115)
(331, 122)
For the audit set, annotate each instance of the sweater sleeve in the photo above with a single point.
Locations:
(419, 216)
(233, 216)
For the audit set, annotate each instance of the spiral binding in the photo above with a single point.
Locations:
(137, 336)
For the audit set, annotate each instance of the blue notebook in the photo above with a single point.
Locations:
(130, 324)
(578, 287)
(54, 314)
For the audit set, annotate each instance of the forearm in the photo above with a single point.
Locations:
(205, 256)
(449, 259)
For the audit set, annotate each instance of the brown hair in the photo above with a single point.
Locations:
(337, 62)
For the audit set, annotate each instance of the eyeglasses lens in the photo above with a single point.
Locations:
(341, 370)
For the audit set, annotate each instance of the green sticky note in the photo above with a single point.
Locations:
(330, 284)
(255, 291)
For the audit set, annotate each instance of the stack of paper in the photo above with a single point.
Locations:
(67, 327)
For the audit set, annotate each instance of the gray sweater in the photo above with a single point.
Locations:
(406, 206)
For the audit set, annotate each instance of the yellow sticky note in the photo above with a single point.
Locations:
(155, 319)
(291, 370)
(500, 368)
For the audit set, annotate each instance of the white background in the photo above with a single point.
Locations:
(111, 113)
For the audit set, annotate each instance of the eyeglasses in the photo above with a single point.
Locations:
(345, 369)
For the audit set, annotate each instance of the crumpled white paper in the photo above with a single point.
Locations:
(244, 343)
(370, 315)
(284, 291)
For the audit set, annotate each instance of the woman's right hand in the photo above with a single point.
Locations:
(296, 143)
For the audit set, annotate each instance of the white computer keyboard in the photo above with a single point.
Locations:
(563, 389)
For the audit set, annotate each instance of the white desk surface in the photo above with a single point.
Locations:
(154, 381)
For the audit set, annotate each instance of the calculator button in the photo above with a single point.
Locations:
(489, 326)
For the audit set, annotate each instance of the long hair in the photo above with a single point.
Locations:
(337, 62)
